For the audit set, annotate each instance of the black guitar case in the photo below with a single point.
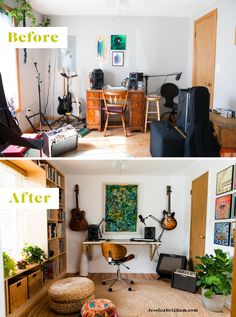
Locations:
(193, 120)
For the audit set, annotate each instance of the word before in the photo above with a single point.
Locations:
(32, 37)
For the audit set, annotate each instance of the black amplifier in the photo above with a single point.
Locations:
(184, 280)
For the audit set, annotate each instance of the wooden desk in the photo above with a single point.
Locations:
(87, 250)
(225, 129)
(136, 110)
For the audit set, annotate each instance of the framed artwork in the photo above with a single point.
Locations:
(233, 209)
(235, 176)
(102, 49)
(224, 180)
(117, 58)
(233, 234)
(118, 42)
(222, 233)
(121, 208)
(223, 207)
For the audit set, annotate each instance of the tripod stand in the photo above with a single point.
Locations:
(65, 103)
(42, 119)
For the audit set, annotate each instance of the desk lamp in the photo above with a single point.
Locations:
(146, 77)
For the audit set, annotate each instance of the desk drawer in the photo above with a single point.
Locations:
(93, 116)
(94, 94)
(136, 95)
(18, 293)
(137, 119)
(94, 104)
(34, 282)
(136, 105)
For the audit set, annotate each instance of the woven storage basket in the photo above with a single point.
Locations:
(68, 295)
(99, 308)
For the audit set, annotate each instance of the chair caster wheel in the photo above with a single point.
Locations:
(131, 282)
(103, 283)
(129, 289)
(110, 289)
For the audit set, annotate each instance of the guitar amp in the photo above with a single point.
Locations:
(184, 280)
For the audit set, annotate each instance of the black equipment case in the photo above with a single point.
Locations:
(194, 136)
(184, 280)
(165, 141)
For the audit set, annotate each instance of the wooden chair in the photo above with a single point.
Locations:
(115, 254)
(115, 102)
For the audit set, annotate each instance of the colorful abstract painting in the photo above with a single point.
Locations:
(233, 234)
(222, 233)
(118, 42)
(224, 181)
(102, 49)
(121, 208)
(223, 207)
(117, 58)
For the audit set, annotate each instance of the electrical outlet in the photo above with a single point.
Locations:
(28, 112)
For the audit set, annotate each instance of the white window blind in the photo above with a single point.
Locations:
(13, 222)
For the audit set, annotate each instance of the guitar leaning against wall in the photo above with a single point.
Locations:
(78, 221)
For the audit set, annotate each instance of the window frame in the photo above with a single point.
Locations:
(7, 9)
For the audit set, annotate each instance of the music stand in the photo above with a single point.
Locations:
(42, 119)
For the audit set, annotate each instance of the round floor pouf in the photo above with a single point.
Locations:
(99, 308)
(68, 295)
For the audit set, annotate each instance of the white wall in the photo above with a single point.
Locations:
(152, 200)
(225, 75)
(155, 45)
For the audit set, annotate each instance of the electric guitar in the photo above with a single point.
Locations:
(78, 221)
(168, 221)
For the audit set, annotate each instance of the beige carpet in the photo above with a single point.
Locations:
(148, 298)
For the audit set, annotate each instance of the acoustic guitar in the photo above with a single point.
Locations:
(168, 221)
(78, 221)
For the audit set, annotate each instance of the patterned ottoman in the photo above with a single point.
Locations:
(99, 308)
(68, 295)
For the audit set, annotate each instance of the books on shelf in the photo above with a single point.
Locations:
(61, 215)
(50, 270)
(53, 175)
(52, 230)
(61, 246)
(61, 231)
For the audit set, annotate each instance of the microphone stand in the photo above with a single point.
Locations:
(42, 119)
(146, 77)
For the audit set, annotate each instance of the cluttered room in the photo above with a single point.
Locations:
(137, 79)
(130, 238)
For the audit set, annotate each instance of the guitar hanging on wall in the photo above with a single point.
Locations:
(168, 221)
(78, 221)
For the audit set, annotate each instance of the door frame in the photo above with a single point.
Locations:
(215, 14)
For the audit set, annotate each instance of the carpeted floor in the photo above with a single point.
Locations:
(148, 298)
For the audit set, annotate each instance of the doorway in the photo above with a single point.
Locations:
(198, 218)
(204, 52)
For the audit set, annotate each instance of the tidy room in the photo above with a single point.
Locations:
(128, 238)
(149, 78)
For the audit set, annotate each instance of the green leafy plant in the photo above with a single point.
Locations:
(214, 273)
(9, 265)
(33, 254)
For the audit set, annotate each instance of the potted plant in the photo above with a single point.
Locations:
(214, 277)
(9, 265)
(33, 254)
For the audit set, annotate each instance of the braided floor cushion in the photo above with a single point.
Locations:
(68, 295)
(99, 308)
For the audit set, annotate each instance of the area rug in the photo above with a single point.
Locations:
(150, 298)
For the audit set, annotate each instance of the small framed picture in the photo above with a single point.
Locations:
(233, 234)
(233, 209)
(224, 180)
(223, 207)
(118, 42)
(235, 176)
(117, 58)
(222, 233)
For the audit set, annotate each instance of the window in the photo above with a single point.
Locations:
(9, 67)
(13, 223)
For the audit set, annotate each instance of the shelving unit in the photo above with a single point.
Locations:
(56, 229)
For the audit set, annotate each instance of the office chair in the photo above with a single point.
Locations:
(115, 254)
(169, 91)
(115, 102)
